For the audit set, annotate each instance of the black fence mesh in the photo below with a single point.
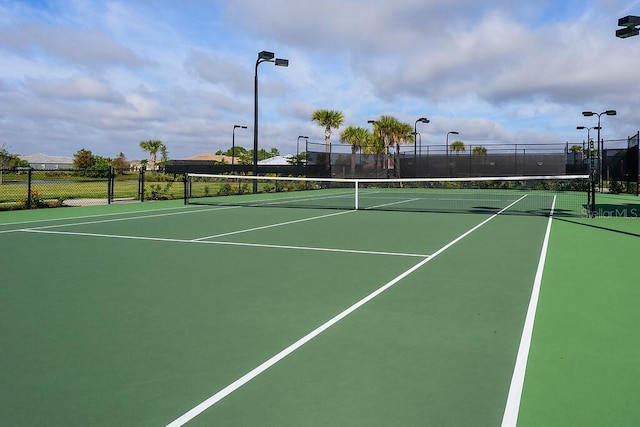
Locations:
(633, 160)
(438, 161)
(27, 188)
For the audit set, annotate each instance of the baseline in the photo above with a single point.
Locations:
(196, 210)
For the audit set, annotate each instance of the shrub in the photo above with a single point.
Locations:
(615, 186)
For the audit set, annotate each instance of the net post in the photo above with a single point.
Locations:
(357, 185)
(29, 189)
(592, 180)
(184, 186)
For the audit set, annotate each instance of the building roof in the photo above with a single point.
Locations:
(209, 157)
(43, 158)
(276, 161)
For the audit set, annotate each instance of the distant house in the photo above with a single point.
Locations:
(211, 158)
(45, 162)
(135, 165)
(276, 161)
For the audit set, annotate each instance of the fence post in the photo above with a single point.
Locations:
(186, 190)
(29, 198)
(141, 184)
(110, 179)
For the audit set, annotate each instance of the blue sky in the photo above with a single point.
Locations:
(105, 75)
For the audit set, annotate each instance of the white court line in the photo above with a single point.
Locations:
(130, 218)
(200, 408)
(272, 225)
(256, 245)
(285, 200)
(392, 203)
(510, 417)
(85, 216)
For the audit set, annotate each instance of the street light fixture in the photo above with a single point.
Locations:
(600, 144)
(599, 157)
(298, 144)
(630, 29)
(233, 144)
(263, 56)
(590, 185)
(415, 144)
(453, 132)
(588, 131)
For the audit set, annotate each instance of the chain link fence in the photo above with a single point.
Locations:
(441, 161)
(28, 188)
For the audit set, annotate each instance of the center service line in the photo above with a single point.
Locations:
(197, 410)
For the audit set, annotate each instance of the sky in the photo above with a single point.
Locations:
(105, 75)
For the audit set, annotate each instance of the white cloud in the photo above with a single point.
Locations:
(74, 88)
(114, 73)
(79, 46)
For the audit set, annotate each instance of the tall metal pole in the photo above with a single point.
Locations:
(255, 127)
(233, 144)
(298, 144)
(453, 132)
(599, 167)
(415, 143)
(263, 56)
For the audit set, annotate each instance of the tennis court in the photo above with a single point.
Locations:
(171, 314)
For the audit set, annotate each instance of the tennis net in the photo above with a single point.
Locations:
(532, 195)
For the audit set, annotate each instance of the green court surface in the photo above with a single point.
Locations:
(161, 314)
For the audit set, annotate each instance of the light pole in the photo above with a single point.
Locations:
(298, 144)
(589, 114)
(263, 56)
(453, 132)
(588, 132)
(233, 144)
(590, 185)
(630, 24)
(415, 144)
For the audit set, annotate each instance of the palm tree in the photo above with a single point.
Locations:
(458, 146)
(479, 150)
(152, 147)
(328, 119)
(404, 135)
(575, 149)
(357, 137)
(384, 129)
(390, 131)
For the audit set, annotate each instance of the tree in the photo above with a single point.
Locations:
(457, 147)
(164, 155)
(298, 159)
(274, 152)
(575, 149)
(482, 152)
(389, 131)
(10, 161)
(83, 159)
(329, 119)
(479, 150)
(153, 147)
(404, 134)
(357, 137)
(120, 163)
